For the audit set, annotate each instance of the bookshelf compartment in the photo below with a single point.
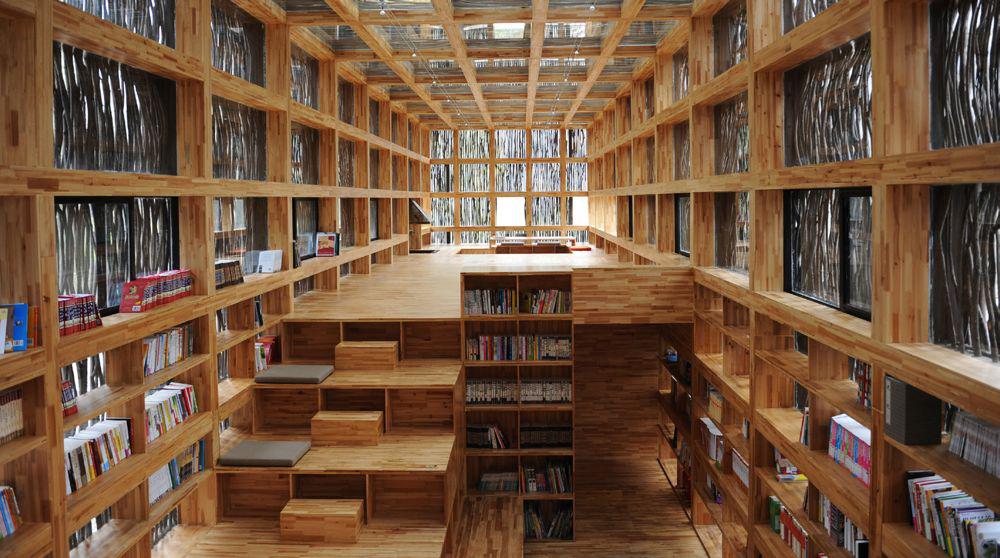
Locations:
(334, 487)
(491, 387)
(253, 494)
(481, 432)
(431, 340)
(285, 411)
(546, 478)
(492, 475)
(548, 521)
(540, 431)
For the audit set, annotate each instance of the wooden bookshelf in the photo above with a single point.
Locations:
(516, 373)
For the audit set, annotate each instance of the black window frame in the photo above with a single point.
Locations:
(843, 250)
(295, 227)
(677, 225)
(175, 253)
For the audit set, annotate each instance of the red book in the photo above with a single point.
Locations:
(136, 294)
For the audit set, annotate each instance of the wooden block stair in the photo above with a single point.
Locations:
(331, 521)
(347, 428)
(367, 355)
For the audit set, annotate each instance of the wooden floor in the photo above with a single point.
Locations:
(492, 527)
(251, 538)
(424, 286)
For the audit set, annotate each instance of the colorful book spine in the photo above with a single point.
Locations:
(850, 446)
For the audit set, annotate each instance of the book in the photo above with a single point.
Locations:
(167, 348)
(975, 440)
(850, 446)
(485, 436)
(489, 302)
(551, 478)
(327, 244)
(546, 436)
(150, 291)
(11, 414)
(497, 482)
(949, 518)
(490, 392)
(68, 398)
(9, 512)
(168, 407)
(93, 451)
(77, 312)
(15, 336)
(519, 347)
(228, 273)
(269, 262)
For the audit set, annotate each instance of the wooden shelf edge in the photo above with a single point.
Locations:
(20, 367)
(14, 449)
(29, 541)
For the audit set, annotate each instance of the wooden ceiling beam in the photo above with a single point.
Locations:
(348, 10)
(504, 53)
(445, 11)
(511, 75)
(539, 11)
(409, 96)
(473, 16)
(629, 9)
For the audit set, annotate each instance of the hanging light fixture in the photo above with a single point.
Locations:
(381, 10)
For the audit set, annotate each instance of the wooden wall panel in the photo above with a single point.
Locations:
(312, 341)
(432, 339)
(253, 495)
(633, 295)
(409, 497)
(421, 408)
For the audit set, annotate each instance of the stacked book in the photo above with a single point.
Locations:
(545, 301)
(265, 351)
(78, 312)
(561, 526)
(144, 293)
(842, 530)
(861, 373)
(976, 441)
(554, 478)
(167, 407)
(19, 327)
(68, 397)
(10, 514)
(519, 347)
(546, 391)
(490, 392)
(950, 518)
(167, 348)
(497, 482)
(546, 436)
(227, 273)
(95, 450)
(785, 525)
(172, 475)
(850, 446)
(714, 404)
(741, 468)
(489, 302)
(11, 414)
(485, 436)
(786, 470)
(712, 439)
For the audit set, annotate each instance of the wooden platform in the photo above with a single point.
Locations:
(401, 451)
(492, 527)
(347, 428)
(367, 355)
(260, 538)
(424, 286)
(409, 374)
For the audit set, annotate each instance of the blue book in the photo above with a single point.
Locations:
(17, 327)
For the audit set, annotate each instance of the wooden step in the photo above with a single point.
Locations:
(332, 521)
(367, 355)
(347, 428)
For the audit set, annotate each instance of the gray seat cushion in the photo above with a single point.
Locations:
(295, 374)
(265, 453)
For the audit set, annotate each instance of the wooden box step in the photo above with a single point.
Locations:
(332, 521)
(347, 428)
(367, 355)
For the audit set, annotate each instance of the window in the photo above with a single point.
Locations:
(544, 144)
(732, 231)
(237, 42)
(730, 35)
(442, 144)
(372, 219)
(347, 222)
(475, 212)
(474, 177)
(682, 152)
(305, 215)
(442, 178)
(546, 211)
(305, 78)
(680, 74)
(576, 143)
(101, 243)
(682, 223)
(545, 177)
(305, 155)
(965, 257)
(828, 247)
(239, 141)
(576, 177)
(510, 144)
(732, 136)
(578, 211)
(510, 212)
(473, 144)
(511, 177)
(240, 231)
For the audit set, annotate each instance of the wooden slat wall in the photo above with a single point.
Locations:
(648, 295)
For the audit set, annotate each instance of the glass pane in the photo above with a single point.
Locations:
(475, 212)
(815, 221)
(92, 250)
(828, 106)
(241, 231)
(473, 144)
(345, 101)
(305, 155)
(545, 177)
(576, 177)
(109, 116)
(798, 12)
(442, 178)
(305, 78)
(510, 212)
(732, 136)
(682, 152)
(346, 155)
(347, 223)
(544, 144)
(576, 143)
(859, 254)
(965, 87)
(239, 141)
(732, 231)
(578, 211)
(680, 74)
(154, 236)
(684, 224)
(511, 177)
(306, 226)
(153, 19)
(730, 35)
(965, 257)
(442, 144)
(546, 211)
(237, 42)
(474, 177)
(442, 212)
(511, 144)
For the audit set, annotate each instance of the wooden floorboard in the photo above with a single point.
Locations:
(424, 286)
(259, 538)
(492, 527)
